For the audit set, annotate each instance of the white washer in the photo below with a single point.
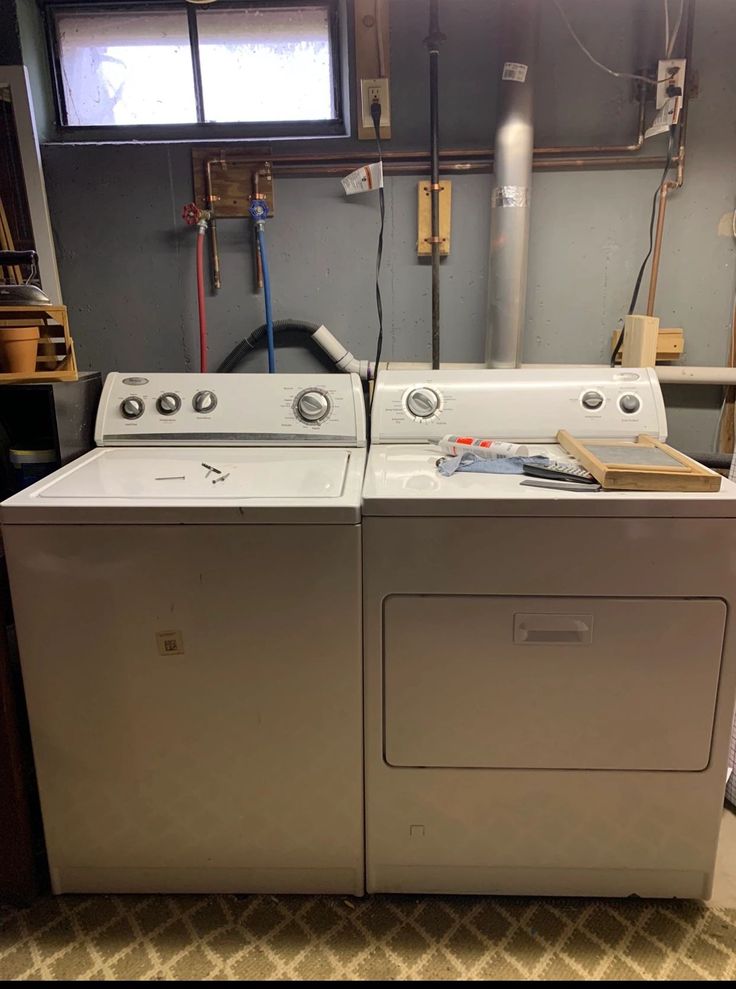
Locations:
(549, 675)
(191, 640)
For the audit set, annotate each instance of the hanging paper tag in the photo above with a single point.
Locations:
(666, 117)
(514, 72)
(364, 179)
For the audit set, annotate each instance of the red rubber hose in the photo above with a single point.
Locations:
(200, 300)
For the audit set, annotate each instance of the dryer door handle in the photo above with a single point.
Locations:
(540, 629)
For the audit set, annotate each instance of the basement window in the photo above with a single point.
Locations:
(269, 67)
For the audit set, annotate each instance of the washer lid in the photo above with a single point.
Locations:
(167, 483)
(181, 474)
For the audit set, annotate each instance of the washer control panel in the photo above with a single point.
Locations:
(231, 410)
(522, 404)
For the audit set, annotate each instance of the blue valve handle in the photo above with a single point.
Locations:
(258, 209)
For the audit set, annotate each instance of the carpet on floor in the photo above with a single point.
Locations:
(376, 938)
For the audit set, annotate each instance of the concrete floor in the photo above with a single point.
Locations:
(724, 887)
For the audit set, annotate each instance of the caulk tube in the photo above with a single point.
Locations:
(489, 449)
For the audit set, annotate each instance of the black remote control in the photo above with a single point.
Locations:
(560, 472)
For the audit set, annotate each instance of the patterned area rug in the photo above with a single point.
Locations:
(378, 938)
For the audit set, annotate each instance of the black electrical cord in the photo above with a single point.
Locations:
(637, 284)
(241, 350)
(376, 117)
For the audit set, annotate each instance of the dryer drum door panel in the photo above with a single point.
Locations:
(551, 682)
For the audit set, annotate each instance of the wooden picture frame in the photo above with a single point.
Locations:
(680, 474)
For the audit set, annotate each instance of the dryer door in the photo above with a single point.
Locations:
(551, 682)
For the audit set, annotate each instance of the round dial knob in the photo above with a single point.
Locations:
(629, 404)
(168, 403)
(592, 400)
(204, 401)
(422, 402)
(132, 407)
(312, 406)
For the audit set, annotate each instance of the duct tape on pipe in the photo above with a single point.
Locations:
(510, 195)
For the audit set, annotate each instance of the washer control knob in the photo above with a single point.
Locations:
(423, 402)
(312, 406)
(168, 403)
(592, 400)
(204, 401)
(629, 404)
(132, 407)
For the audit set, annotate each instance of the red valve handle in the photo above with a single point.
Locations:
(191, 214)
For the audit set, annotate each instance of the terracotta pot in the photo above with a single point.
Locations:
(19, 348)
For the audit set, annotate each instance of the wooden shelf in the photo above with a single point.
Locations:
(56, 360)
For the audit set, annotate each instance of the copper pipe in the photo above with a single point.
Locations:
(662, 208)
(689, 30)
(449, 154)
(613, 149)
(455, 159)
(481, 166)
(214, 246)
(471, 160)
(680, 159)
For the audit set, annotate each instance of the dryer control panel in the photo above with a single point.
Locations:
(231, 410)
(521, 404)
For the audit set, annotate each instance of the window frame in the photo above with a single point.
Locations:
(199, 130)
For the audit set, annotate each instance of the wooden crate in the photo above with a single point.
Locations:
(56, 360)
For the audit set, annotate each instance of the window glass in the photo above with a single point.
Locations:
(126, 68)
(262, 64)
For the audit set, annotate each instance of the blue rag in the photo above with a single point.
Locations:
(471, 463)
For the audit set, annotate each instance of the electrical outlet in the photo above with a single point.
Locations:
(673, 70)
(372, 91)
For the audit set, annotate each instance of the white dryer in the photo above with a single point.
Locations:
(188, 606)
(549, 675)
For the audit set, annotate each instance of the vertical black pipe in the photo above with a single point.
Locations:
(433, 43)
(196, 64)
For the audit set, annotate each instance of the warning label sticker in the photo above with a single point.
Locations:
(514, 71)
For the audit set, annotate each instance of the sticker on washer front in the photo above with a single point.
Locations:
(170, 643)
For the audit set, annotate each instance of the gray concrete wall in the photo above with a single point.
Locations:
(127, 260)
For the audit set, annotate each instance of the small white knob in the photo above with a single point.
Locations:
(204, 401)
(132, 407)
(423, 402)
(312, 406)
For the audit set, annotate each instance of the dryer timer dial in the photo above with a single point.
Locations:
(423, 402)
